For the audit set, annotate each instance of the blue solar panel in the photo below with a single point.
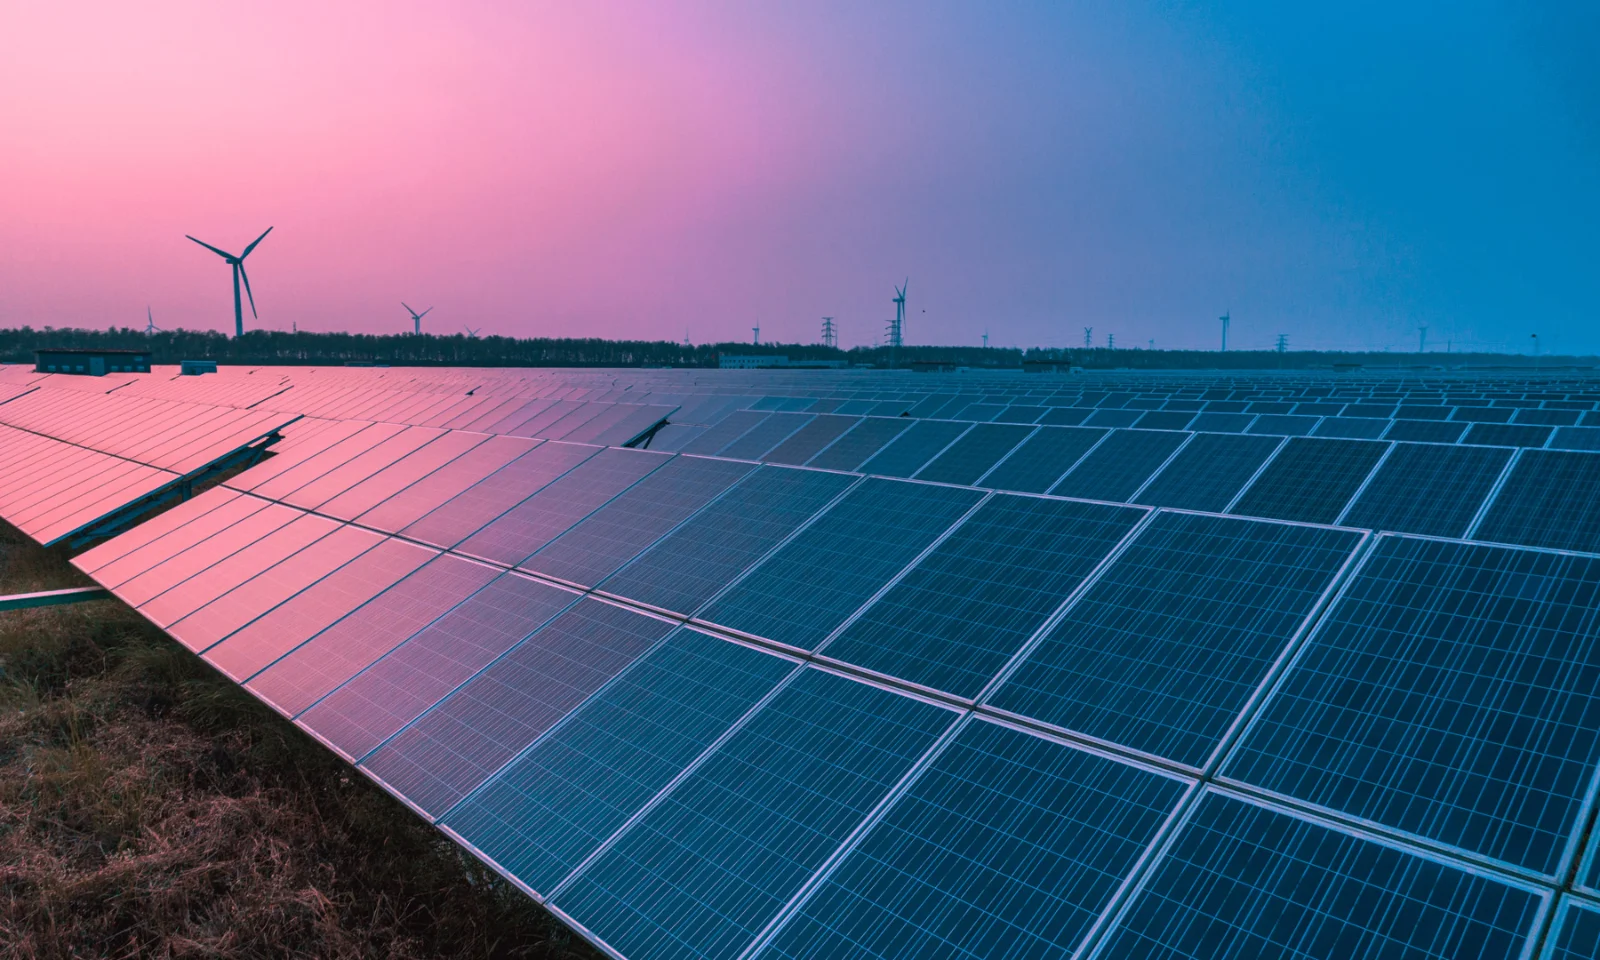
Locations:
(1551, 499)
(765, 435)
(1119, 467)
(955, 619)
(915, 447)
(1425, 431)
(1041, 459)
(1353, 428)
(1008, 845)
(1453, 692)
(617, 532)
(809, 439)
(806, 589)
(414, 675)
(1576, 935)
(1168, 645)
(701, 873)
(865, 439)
(712, 548)
(1246, 881)
(1209, 472)
(972, 456)
(556, 803)
(1310, 480)
(456, 745)
(1508, 435)
(1428, 489)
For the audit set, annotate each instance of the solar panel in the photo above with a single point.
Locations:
(913, 448)
(188, 554)
(1428, 489)
(1119, 466)
(421, 669)
(460, 741)
(397, 478)
(726, 431)
(1576, 933)
(865, 439)
(1208, 472)
(1008, 845)
(765, 435)
(1452, 692)
(1425, 431)
(467, 511)
(812, 583)
(194, 592)
(810, 439)
(1508, 435)
(1041, 459)
(955, 619)
(516, 534)
(303, 675)
(711, 549)
(974, 454)
(1174, 637)
(617, 532)
(1247, 881)
(1310, 480)
(552, 806)
(1551, 499)
(701, 872)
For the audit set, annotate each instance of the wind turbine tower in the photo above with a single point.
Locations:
(756, 338)
(150, 322)
(897, 326)
(830, 336)
(238, 273)
(1225, 319)
(1422, 338)
(416, 318)
(985, 339)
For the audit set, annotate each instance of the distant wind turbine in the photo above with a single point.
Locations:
(238, 271)
(150, 322)
(416, 318)
(473, 334)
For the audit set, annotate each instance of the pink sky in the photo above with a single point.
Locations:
(633, 170)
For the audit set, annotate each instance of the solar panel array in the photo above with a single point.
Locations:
(1302, 667)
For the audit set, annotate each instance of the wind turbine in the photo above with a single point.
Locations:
(897, 328)
(238, 271)
(416, 318)
(150, 323)
(471, 333)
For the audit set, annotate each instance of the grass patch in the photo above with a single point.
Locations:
(151, 808)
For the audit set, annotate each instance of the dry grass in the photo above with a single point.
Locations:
(149, 808)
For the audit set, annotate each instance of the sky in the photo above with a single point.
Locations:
(1339, 173)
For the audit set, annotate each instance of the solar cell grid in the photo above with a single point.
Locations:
(913, 448)
(515, 535)
(396, 479)
(974, 454)
(215, 536)
(364, 465)
(711, 549)
(302, 616)
(332, 656)
(1310, 480)
(1174, 637)
(1428, 489)
(555, 804)
(1119, 466)
(1551, 499)
(465, 513)
(955, 619)
(1452, 692)
(1008, 845)
(1208, 472)
(617, 532)
(1041, 459)
(491, 718)
(1576, 933)
(810, 439)
(405, 681)
(862, 441)
(412, 503)
(1247, 881)
(702, 872)
(204, 586)
(815, 581)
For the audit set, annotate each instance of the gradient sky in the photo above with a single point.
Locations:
(1340, 173)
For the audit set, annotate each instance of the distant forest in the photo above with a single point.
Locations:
(331, 349)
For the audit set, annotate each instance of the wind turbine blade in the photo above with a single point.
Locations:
(424, 313)
(408, 308)
(246, 278)
(221, 253)
(253, 245)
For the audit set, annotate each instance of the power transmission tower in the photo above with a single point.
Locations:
(1283, 343)
(1111, 341)
(1088, 332)
(830, 338)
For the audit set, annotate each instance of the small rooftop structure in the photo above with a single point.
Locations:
(91, 363)
(193, 368)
